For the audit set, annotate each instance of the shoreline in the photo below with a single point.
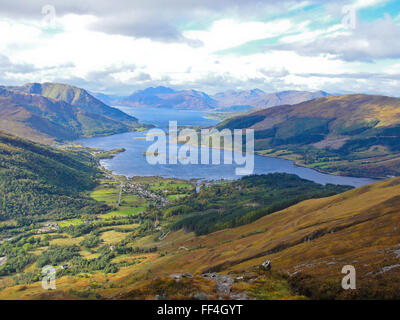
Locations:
(295, 163)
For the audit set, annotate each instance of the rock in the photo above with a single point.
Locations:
(240, 296)
(200, 296)
(266, 265)
(163, 296)
(187, 275)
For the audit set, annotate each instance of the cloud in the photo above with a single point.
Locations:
(368, 42)
(6, 66)
(360, 75)
(274, 73)
(154, 19)
(120, 47)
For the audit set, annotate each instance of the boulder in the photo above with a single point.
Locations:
(266, 265)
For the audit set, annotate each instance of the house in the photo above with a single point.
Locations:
(65, 266)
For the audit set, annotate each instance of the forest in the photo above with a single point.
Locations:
(231, 204)
(39, 182)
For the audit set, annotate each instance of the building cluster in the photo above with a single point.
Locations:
(141, 191)
(48, 227)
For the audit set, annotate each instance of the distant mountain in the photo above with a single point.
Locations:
(229, 101)
(257, 98)
(108, 99)
(48, 112)
(163, 97)
(350, 134)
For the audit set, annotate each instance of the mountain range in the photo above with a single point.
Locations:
(54, 112)
(163, 97)
(229, 101)
(350, 134)
(259, 99)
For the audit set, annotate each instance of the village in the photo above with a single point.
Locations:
(141, 191)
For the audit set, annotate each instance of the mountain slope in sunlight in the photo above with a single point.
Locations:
(66, 114)
(351, 134)
(312, 241)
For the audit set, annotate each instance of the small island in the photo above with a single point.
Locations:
(102, 154)
(153, 154)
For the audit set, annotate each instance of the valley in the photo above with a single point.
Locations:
(116, 228)
(139, 249)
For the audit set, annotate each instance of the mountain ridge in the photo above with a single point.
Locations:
(257, 98)
(350, 134)
(228, 101)
(63, 113)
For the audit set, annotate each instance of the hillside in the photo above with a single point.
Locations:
(307, 243)
(245, 200)
(259, 99)
(39, 182)
(311, 240)
(162, 97)
(350, 134)
(76, 97)
(65, 113)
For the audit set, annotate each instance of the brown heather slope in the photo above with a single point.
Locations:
(312, 241)
(350, 134)
(43, 119)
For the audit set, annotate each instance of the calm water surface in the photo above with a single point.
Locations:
(132, 162)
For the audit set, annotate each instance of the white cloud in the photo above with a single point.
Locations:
(228, 33)
(99, 59)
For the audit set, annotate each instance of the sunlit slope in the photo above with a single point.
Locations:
(77, 97)
(348, 134)
(315, 237)
(44, 119)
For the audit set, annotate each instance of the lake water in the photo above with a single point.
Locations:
(132, 162)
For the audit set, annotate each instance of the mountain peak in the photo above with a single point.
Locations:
(157, 90)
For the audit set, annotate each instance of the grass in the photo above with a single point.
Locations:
(74, 222)
(123, 211)
(173, 197)
(112, 237)
(107, 195)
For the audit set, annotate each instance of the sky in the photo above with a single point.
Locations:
(118, 47)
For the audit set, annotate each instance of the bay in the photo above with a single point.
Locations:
(132, 162)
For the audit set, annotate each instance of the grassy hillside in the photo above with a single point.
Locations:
(308, 244)
(24, 112)
(350, 134)
(232, 204)
(311, 241)
(39, 182)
